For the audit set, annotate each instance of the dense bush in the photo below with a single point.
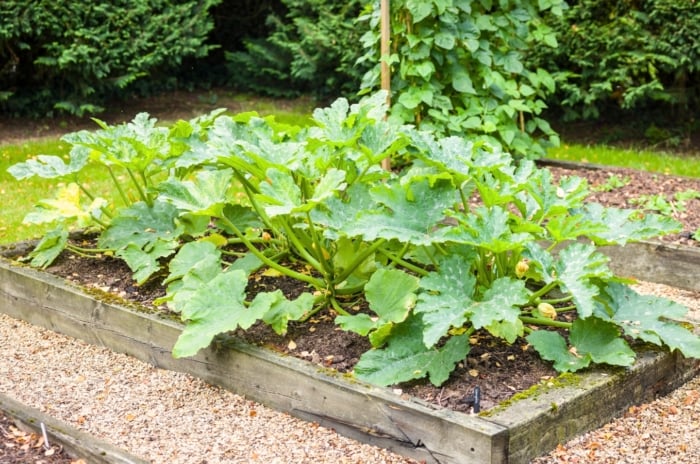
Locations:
(625, 54)
(312, 48)
(458, 68)
(70, 55)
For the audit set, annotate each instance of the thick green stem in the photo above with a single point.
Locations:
(542, 291)
(411, 267)
(358, 261)
(545, 322)
(316, 283)
(139, 189)
(117, 184)
(301, 250)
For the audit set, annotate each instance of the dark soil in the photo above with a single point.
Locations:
(18, 446)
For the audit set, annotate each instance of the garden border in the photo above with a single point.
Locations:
(76, 442)
(513, 433)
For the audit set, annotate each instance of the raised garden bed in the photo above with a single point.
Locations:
(514, 432)
(72, 442)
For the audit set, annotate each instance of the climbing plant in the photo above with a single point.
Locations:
(458, 68)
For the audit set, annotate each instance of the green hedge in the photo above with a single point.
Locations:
(71, 55)
(625, 54)
(312, 48)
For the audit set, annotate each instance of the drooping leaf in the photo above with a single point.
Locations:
(279, 310)
(578, 267)
(406, 357)
(552, 347)
(650, 318)
(391, 295)
(66, 206)
(217, 306)
(49, 247)
(142, 235)
(601, 340)
(592, 340)
(141, 224)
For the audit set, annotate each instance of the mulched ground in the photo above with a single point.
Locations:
(19, 446)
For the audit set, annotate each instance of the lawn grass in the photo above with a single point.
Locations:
(661, 162)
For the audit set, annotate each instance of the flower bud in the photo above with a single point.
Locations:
(547, 310)
(521, 268)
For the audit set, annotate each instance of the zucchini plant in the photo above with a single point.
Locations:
(462, 238)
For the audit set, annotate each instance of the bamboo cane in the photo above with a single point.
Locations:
(385, 24)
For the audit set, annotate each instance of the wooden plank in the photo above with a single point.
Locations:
(583, 402)
(361, 411)
(77, 443)
(657, 262)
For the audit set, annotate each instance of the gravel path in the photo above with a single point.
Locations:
(171, 417)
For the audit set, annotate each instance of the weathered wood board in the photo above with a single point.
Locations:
(77, 443)
(513, 434)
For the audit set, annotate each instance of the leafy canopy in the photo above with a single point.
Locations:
(461, 239)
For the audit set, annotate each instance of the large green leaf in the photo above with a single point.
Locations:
(144, 262)
(205, 195)
(216, 306)
(649, 318)
(499, 309)
(278, 310)
(141, 224)
(552, 347)
(410, 213)
(49, 247)
(50, 166)
(446, 299)
(406, 357)
(601, 340)
(487, 228)
(626, 225)
(279, 193)
(578, 267)
(142, 235)
(592, 340)
(391, 295)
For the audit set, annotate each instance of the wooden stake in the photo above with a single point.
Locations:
(385, 24)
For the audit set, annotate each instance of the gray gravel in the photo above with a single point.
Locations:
(169, 417)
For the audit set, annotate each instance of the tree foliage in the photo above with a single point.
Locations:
(70, 55)
(312, 48)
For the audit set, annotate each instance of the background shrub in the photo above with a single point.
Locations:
(71, 55)
(312, 48)
(625, 54)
